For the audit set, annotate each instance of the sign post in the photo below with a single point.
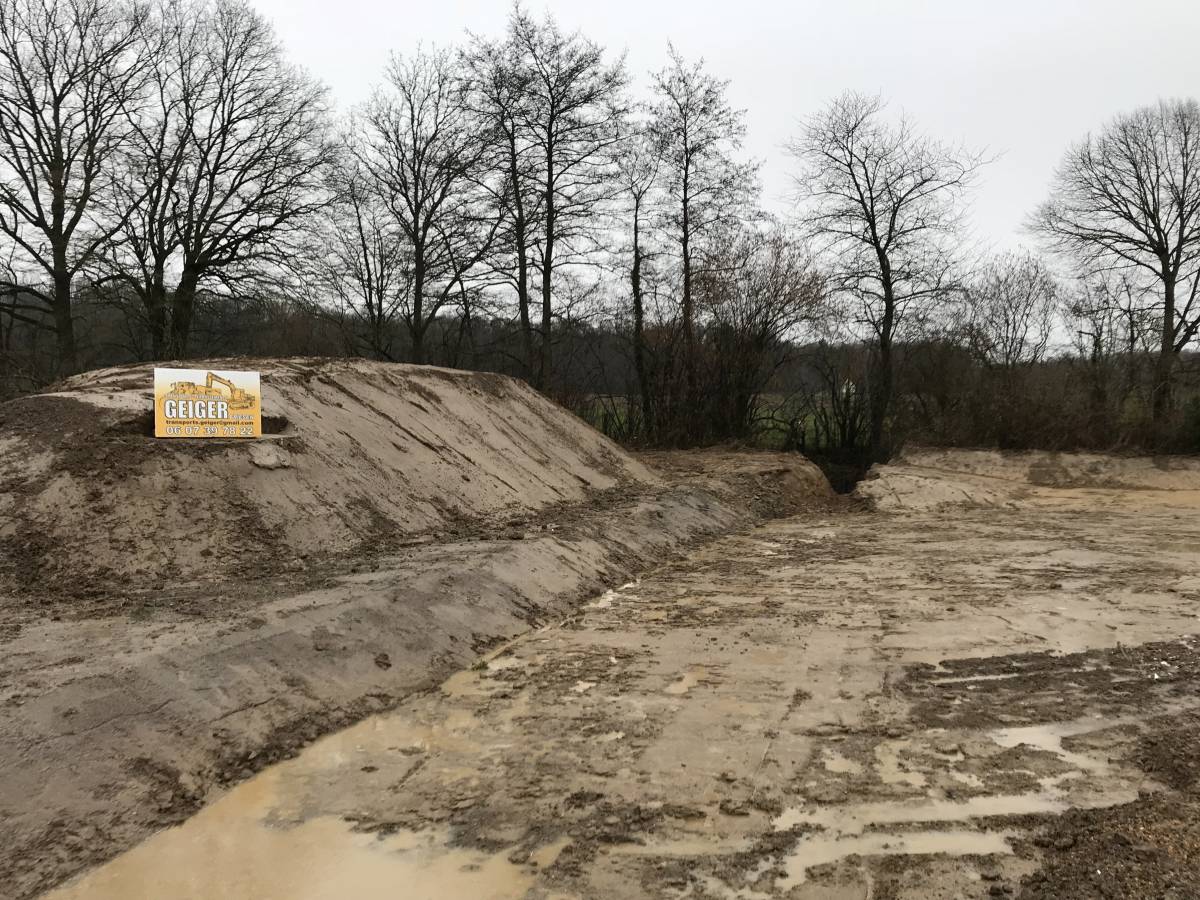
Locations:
(203, 403)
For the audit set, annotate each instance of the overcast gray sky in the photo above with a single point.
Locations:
(1021, 78)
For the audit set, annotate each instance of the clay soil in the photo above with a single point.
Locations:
(979, 679)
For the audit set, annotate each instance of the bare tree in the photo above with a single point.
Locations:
(637, 174)
(1012, 304)
(885, 202)
(361, 262)
(1011, 309)
(69, 79)
(147, 176)
(258, 155)
(1111, 326)
(573, 109)
(1130, 197)
(424, 150)
(756, 291)
(497, 79)
(697, 134)
(232, 156)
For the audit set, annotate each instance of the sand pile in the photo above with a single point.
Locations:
(356, 456)
(929, 478)
(1065, 470)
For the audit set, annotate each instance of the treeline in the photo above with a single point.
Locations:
(172, 186)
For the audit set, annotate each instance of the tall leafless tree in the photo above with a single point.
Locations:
(886, 203)
(361, 262)
(1130, 197)
(497, 80)
(424, 151)
(70, 78)
(573, 109)
(143, 194)
(698, 135)
(637, 175)
(233, 155)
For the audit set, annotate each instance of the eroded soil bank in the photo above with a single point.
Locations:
(989, 698)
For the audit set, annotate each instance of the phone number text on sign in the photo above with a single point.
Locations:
(209, 431)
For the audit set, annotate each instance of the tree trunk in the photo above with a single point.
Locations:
(182, 306)
(882, 382)
(416, 328)
(1164, 368)
(522, 247)
(1099, 395)
(64, 322)
(689, 336)
(545, 364)
(523, 307)
(156, 314)
(639, 338)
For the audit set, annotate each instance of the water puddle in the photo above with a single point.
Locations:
(699, 845)
(819, 850)
(838, 764)
(1048, 737)
(971, 679)
(890, 768)
(855, 818)
(686, 681)
(224, 852)
(275, 837)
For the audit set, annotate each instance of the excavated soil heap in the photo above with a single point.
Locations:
(932, 478)
(356, 456)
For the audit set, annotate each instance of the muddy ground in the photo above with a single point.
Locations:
(990, 695)
(124, 713)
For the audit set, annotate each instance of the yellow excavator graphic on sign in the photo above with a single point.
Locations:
(238, 398)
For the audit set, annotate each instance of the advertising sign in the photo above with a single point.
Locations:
(201, 403)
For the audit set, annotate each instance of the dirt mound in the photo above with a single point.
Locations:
(773, 484)
(929, 478)
(356, 456)
(1064, 470)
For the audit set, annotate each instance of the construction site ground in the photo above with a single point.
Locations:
(977, 679)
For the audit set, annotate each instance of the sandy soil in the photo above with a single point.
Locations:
(982, 698)
(358, 457)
